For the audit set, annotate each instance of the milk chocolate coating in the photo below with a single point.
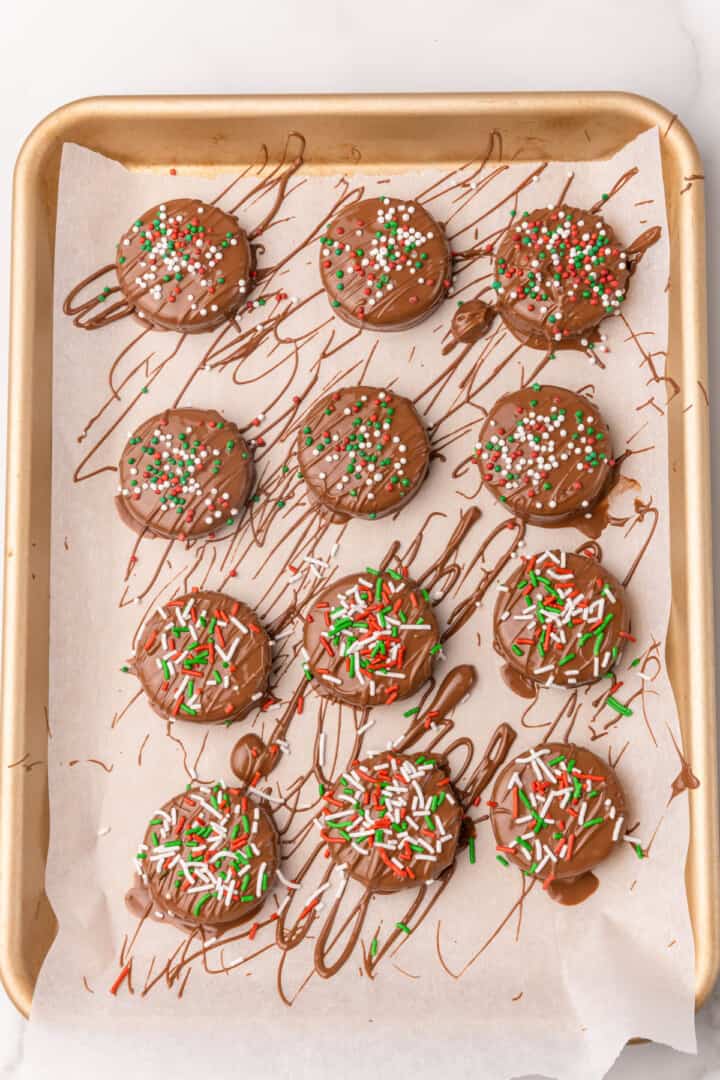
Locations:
(471, 321)
(559, 272)
(560, 619)
(381, 791)
(363, 451)
(350, 641)
(186, 473)
(545, 453)
(566, 790)
(385, 263)
(203, 657)
(251, 758)
(222, 831)
(185, 265)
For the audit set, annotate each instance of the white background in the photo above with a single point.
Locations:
(52, 51)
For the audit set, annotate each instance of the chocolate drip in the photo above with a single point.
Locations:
(642, 242)
(573, 891)
(252, 759)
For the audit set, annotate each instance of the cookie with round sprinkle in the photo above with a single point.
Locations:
(559, 272)
(393, 821)
(185, 265)
(184, 473)
(363, 451)
(385, 263)
(370, 639)
(203, 657)
(561, 619)
(209, 857)
(545, 453)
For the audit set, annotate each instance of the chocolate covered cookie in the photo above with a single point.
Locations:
(393, 821)
(545, 453)
(370, 639)
(559, 272)
(203, 657)
(363, 451)
(184, 473)
(385, 263)
(560, 619)
(184, 265)
(209, 857)
(557, 811)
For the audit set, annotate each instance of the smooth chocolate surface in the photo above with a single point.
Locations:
(184, 265)
(184, 473)
(560, 619)
(559, 271)
(545, 453)
(203, 657)
(385, 263)
(363, 451)
(471, 321)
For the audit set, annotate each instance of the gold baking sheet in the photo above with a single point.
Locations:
(223, 133)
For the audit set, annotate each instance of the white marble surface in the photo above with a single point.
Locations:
(52, 52)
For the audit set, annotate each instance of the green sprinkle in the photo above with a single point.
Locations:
(201, 903)
(618, 706)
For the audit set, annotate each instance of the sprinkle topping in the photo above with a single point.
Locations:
(363, 450)
(370, 639)
(558, 810)
(209, 855)
(559, 271)
(393, 820)
(184, 263)
(384, 263)
(203, 657)
(545, 452)
(185, 472)
(561, 619)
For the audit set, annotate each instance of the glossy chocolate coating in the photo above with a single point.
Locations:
(221, 831)
(559, 272)
(390, 788)
(471, 321)
(185, 265)
(385, 263)
(545, 453)
(367, 643)
(203, 657)
(186, 472)
(363, 451)
(561, 789)
(560, 619)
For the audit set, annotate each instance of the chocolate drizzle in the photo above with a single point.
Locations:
(271, 345)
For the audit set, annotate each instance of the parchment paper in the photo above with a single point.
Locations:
(559, 990)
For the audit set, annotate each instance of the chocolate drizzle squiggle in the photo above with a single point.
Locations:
(299, 360)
